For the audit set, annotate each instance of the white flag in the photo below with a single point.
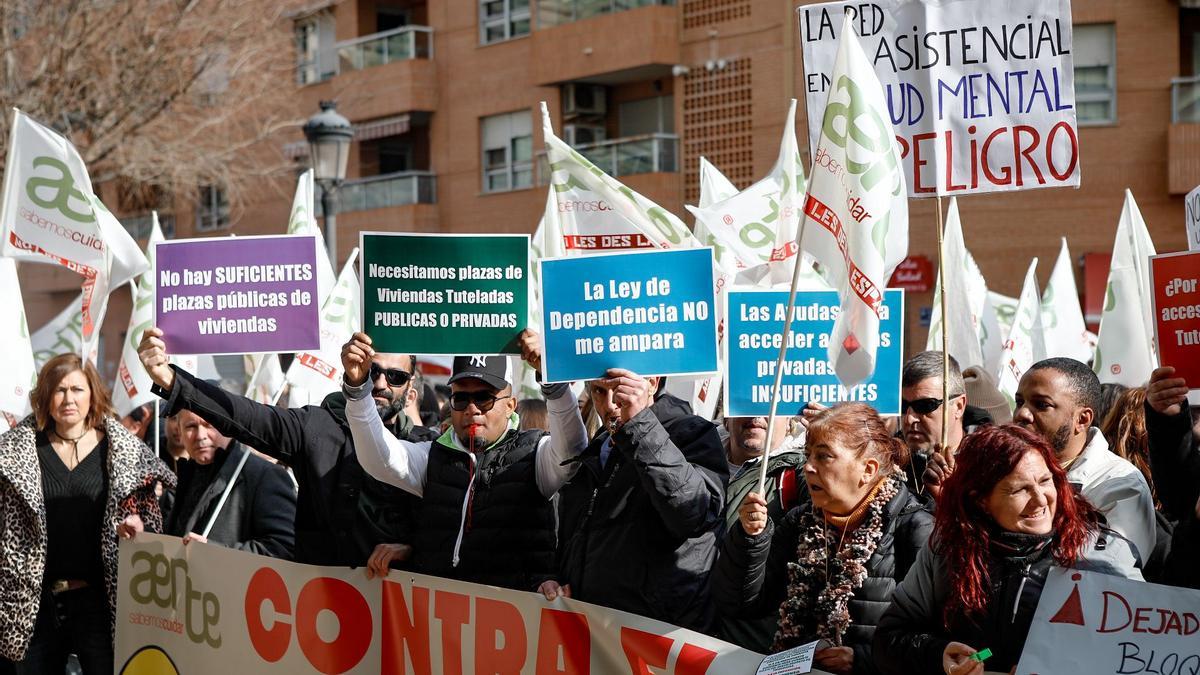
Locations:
(19, 373)
(963, 339)
(857, 202)
(1025, 345)
(1125, 349)
(62, 334)
(132, 386)
(714, 188)
(1062, 316)
(50, 213)
(303, 221)
(264, 377)
(319, 372)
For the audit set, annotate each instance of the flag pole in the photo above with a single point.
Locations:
(945, 440)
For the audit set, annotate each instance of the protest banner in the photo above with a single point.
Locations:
(1112, 625)
(217, 611)
(649, 312)
(1125, 346)
(19, 374)
(1175, 280)
(445, 294)
(756, 332)
(982, 94)
(1191, 207)
(237, 295)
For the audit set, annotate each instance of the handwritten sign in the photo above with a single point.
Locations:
(1175, 282)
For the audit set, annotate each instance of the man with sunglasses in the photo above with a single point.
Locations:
(485, 485)
(343, 516)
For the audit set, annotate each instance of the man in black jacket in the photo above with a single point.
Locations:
(343, 516)
(640, 521)
(1175, 467)
(260, 511)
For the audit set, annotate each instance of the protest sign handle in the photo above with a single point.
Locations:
(225, 495)
(945, 333)
(787, 329)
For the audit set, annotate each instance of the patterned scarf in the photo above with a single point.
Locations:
(820, 584)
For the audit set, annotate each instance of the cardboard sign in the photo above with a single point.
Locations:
(1175, 279)
(756, 319)
(651, 313)
(237, 295)
(209, 610)
(444, 294)
(981, 93)
(1095, 623)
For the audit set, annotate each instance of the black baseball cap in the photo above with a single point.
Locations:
(496, 371)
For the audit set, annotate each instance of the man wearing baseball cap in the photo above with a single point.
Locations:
(485, 486)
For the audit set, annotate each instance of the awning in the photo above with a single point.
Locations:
(391, 126)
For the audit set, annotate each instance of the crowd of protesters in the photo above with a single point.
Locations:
(903, 546)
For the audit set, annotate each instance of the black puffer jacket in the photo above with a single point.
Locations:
(640, 533)
(1175, 466)
(751, 575)
(341, 512)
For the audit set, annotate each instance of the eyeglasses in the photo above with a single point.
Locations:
(923, 406)
(484, 401)
(394, 376)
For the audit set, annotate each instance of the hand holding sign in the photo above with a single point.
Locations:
(1166, 394)
(631, 393)
(356, 359)
(531, 349)
(752, 514)
(153, 353)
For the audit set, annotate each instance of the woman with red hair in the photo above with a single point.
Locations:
(1006, 516)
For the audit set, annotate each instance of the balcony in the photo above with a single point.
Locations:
(604, 41)
(400, 44)
(1183, 136)
(374, 76)
(620, 157)
(404, 188)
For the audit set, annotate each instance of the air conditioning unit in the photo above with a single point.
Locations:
(583, 134)
(583, 99)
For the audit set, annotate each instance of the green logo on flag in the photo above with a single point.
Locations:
(64, 190)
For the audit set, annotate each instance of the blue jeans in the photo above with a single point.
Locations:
(73, 622)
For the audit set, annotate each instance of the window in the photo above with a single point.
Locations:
(646, 116)
(502, 20)
(314, 49)
(1095, 73)
(507, 151)
(212, 209)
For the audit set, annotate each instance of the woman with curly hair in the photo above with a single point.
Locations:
(72, 480)
(1006, 516)
(832, 564)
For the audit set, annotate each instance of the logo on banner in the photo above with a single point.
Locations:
(64, 187)
(157, 585)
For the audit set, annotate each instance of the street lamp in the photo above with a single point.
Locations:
(329, 135)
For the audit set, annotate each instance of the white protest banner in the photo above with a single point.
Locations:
(1026, 343)
(1112, 625)
(132, 386)
(965, 319)
(320, 372)
(858, 203)
(1125, 347)
(1191, 209)
(1005, 309)
(981, 93)
(1062, 315)
(222, 611)
(303, 220)
(50, 214)
(61, 335)
(19, 373)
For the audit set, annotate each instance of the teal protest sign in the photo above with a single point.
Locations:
(444, 294)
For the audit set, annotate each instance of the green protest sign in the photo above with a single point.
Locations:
(444, 294)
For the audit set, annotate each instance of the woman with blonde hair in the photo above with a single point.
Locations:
(72, 480)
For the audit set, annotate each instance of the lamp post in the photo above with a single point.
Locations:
(329, 135)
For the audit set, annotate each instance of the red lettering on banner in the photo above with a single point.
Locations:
(563, 638)
(311, 361)
(606, 242)
(454, 611)
(644, 650)
(1019, 152)
(267, 586)
(918, 162)
(404, 630)
(500, 641)
(862, 285)
(693, 660)
(1029, 145)
(355, 625)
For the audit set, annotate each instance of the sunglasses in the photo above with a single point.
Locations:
(483, 401)
(923, 406)
(394, 376)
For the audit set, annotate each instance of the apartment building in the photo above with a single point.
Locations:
(444, 98)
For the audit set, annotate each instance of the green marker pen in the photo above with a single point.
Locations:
(982, 655)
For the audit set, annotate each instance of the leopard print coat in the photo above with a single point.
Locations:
(133, 469)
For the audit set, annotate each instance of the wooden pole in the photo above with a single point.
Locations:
(945, 439)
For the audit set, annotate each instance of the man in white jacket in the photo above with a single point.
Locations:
(1057, 398)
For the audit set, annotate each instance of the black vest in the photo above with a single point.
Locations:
(507, 526)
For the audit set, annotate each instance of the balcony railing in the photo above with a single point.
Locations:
(649, 153)
(558, 12)
(377, 49)
(390, 189)
(1185, 99)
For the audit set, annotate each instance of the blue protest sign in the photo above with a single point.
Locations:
(649, 312)
(755, 333)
